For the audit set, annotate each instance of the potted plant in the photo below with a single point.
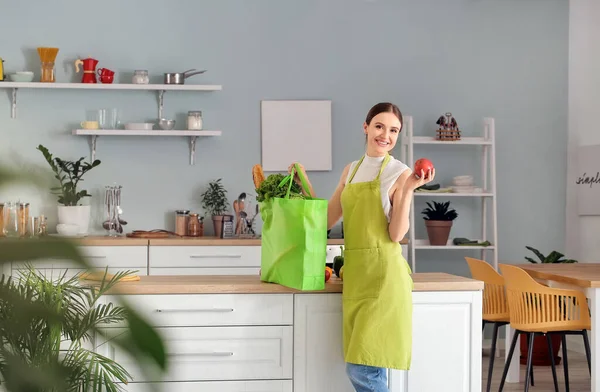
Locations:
(69, 174)
(214, 202)
(66, 312)
(438, 220)
(540, 345)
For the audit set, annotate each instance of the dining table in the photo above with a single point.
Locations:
(580, 276)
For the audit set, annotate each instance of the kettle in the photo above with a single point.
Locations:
(2, 76)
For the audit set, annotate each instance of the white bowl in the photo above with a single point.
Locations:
(139, 126)
(463, 180)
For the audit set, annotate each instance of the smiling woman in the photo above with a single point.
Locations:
(373, 196)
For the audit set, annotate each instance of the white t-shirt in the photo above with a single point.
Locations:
(368, 170)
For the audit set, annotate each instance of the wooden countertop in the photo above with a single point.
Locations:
(185, 241)
(585, 275)
(250, 284)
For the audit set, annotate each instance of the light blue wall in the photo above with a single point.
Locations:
(476, 58)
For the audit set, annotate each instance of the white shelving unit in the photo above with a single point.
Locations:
(160, 88)
(193, 135)
(488, 196)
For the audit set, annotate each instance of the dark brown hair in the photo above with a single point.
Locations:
(385, 107)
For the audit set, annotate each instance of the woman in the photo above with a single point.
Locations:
(373, 197)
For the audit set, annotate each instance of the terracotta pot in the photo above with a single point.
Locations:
(540, 350)
(438, 231)
(218, 225)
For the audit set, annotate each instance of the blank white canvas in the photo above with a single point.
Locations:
(587, 181)
(296, 131)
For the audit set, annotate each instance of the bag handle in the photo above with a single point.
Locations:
(290, 178)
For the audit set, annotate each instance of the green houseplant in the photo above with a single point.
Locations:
(438, 220)
(69, 174)
(37, 338)
(141, 340)
(214, 202)
(540, 344)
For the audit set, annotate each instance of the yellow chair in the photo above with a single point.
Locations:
(536, 309)
(495, 306)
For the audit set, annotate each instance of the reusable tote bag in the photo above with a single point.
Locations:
(294, 239)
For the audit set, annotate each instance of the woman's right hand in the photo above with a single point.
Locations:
(296, 175)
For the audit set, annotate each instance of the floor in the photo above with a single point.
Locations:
(579, 376)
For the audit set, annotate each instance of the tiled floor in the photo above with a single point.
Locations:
(579, 376)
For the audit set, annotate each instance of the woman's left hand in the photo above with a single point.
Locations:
(413, 181)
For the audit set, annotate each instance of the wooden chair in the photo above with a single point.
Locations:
(495, 306)
(536, 309)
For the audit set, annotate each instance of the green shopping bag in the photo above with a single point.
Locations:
(294, 239)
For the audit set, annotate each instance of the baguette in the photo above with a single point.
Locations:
(258, 176)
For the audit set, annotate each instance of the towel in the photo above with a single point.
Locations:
(99, 275)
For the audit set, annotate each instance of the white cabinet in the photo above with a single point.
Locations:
(446, 342)
(204, 260)
(116, 258)
(318, 352)
(215, 353)
(212, 386)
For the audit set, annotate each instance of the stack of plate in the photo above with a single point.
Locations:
(464, 184)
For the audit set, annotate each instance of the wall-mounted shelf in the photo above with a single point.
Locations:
(454, 194)
(193, 135)
(161, 88)
(477, 141)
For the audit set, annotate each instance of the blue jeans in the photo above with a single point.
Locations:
(367, 378)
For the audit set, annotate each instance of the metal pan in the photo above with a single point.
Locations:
(179, 77)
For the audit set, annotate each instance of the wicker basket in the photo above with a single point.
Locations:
(448, 134)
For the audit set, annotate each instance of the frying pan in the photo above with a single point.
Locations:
(179, 77)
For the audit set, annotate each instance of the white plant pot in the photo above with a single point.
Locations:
(75, 215)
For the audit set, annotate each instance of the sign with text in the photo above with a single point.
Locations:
(587, 180)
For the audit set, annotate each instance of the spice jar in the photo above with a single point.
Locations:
(23, 218)
(194, 120)
(140, 76)
(195, 227)
(181, 222)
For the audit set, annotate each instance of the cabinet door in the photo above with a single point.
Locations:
(446, 343)
(318, 352)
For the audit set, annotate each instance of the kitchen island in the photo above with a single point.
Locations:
(237, 334)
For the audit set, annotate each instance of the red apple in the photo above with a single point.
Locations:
(422, 164)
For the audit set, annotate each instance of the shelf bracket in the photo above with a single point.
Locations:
(93, 139)
(161, 94)
(13, 112)
(192, 149)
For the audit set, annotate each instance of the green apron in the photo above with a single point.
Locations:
(377, 291)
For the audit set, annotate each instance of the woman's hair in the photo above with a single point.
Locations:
(384, 107)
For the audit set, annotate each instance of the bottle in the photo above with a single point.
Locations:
(194, 226)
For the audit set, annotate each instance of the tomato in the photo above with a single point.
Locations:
(423, 164)
(327, 274)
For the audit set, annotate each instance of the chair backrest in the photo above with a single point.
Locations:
(495, 305)
(535, 306)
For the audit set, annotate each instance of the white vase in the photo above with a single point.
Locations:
(75, 215)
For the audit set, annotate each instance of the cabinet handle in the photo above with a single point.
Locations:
(215, 256)
(213, 354)
(212, 310)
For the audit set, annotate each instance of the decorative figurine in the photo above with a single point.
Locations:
(447, 128)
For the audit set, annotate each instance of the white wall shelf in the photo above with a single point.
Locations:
(424, 244)
(453, 194)
(161, 88)
(193, 135)
(486, 142)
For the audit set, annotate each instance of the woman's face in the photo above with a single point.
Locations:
(382, 133)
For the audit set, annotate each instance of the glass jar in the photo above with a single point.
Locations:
(47, 72)
(194, 226)
(194, 120)
(140, 76)
(11, 220)
(181, 222)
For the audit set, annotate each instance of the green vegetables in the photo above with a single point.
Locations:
(270, 188)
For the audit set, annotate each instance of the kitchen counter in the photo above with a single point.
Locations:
(244, 284)
(185, 241)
